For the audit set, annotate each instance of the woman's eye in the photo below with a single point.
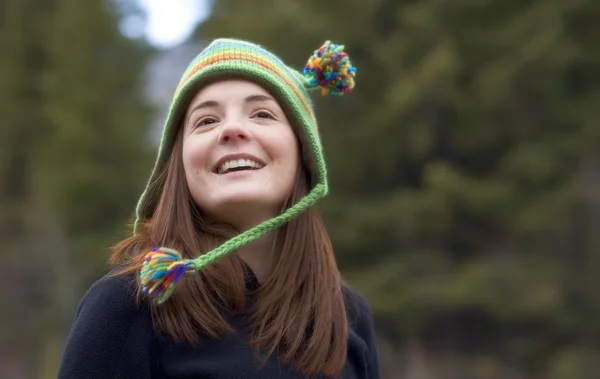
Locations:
(205, 121)
(264, 114)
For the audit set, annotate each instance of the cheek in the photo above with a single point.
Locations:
(194, 155)
(187, 159)
(287, 150)
(194, 158)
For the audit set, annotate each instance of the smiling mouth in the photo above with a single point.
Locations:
(238, 165)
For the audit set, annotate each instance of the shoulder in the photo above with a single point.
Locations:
(111, 333)
(110, 305)
(358, 310)
(111, 295)
(363, 340)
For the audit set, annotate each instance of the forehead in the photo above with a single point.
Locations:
(228, 90)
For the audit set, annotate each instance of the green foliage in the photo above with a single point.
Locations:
(97, 140)
(463, 167)
(74, 155)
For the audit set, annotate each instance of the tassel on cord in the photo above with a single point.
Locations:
(161, 270)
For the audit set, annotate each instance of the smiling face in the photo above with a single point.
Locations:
(240, 154)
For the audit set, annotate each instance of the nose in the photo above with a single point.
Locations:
(233, 131)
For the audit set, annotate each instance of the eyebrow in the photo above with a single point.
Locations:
(214, 104)
(258, 98)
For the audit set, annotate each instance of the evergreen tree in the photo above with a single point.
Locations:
(98, 143)
(74, 155)
(23, 274)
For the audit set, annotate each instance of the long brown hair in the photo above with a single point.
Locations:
(300, 308)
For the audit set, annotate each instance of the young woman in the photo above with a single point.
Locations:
(229, 272)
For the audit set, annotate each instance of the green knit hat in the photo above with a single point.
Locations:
(328, 69)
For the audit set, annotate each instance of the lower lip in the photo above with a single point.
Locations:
(236, 174)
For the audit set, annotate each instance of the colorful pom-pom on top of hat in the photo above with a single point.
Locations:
(161, 269)
(330, 68)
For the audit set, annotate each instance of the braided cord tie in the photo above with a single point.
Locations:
(163, 268)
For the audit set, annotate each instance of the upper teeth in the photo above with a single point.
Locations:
(236, 163)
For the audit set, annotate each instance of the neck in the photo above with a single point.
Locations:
(258, 256)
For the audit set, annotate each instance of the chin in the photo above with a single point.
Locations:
(245, 207)
(248, 201)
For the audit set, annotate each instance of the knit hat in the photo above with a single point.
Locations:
(328, 69)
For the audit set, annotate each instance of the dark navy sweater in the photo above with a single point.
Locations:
(113, 338)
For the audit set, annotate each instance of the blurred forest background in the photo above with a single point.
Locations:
(465, 169)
